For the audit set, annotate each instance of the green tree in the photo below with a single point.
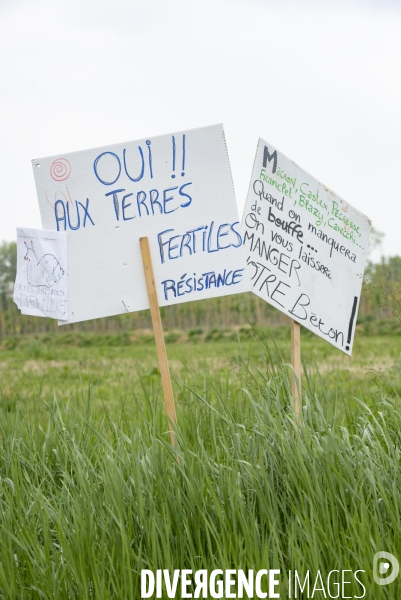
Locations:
(376, 239)
(8, 266)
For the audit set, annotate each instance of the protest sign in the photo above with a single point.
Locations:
(41, 282)
(176, 190)
(306, 248)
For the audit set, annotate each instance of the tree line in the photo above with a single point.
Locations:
(380, 299)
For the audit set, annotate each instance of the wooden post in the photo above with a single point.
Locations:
(159, 337)
(296, 365)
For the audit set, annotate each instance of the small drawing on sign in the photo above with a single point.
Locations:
(60, 169)
(58, 194)
(43, 273)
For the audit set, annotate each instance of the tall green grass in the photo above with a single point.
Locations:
(86, 502)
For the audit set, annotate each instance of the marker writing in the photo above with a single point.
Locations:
(351, 322)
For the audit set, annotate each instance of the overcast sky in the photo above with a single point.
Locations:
(320, 80)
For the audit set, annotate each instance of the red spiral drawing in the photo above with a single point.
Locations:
(60, 169)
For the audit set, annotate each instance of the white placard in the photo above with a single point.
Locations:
(306, 248)
(41, 283)
(176, 189)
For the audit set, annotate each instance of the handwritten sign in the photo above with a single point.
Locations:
(41, 283)
(176, 189)
(306, 248)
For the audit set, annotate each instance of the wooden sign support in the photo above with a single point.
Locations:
(296, 365)
(159, 337)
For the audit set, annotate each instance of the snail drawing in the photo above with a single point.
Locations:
(43, 273)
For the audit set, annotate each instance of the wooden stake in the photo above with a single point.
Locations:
(296, 364)
(159, 337)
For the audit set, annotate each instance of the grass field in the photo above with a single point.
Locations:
(35, 369)
(91, 491)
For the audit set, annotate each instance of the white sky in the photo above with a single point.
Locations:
(320, 80)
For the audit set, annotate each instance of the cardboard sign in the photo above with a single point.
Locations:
(306, 248)
(176, 189)
(41, 283)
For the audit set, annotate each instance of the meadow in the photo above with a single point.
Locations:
(91, 491)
